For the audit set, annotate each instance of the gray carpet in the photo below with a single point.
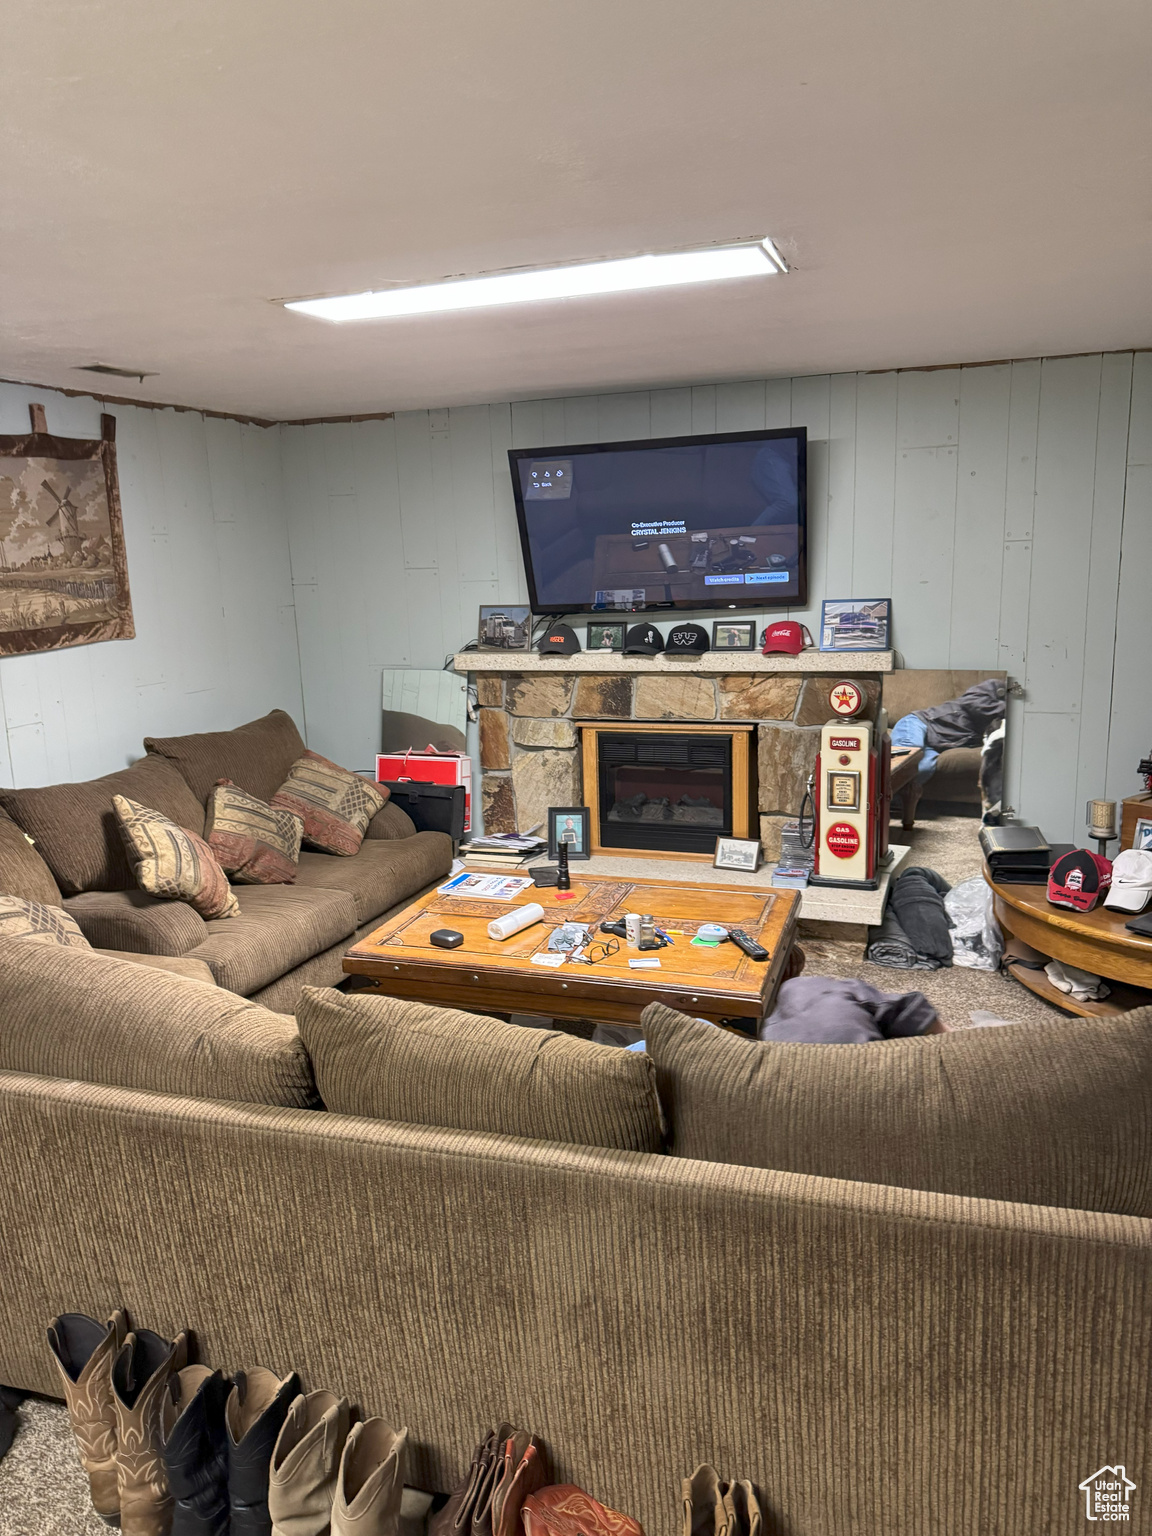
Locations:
(43, 1492)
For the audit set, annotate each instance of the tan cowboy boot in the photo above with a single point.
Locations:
(305, 1464)
(84, 1351)
(140, 1375)
(741, 1510)
(703, 1496)
(370, 1486)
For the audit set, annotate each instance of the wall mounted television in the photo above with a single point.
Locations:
(717, 521)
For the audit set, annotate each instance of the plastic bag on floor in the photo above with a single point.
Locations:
(976, 938)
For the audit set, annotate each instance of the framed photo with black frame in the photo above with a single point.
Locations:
(605, 636)
(855, 624)
(572, 826)
(733, 635)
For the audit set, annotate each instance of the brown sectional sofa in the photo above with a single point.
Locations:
(286, 936)
(876, 1359)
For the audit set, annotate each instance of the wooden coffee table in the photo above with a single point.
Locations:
(485, 975)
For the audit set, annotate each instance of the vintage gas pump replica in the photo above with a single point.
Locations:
(852, 793)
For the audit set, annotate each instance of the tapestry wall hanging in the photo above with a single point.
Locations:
(63, 571)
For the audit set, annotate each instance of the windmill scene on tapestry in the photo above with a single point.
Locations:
(63, 570)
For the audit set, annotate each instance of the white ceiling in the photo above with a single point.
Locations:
(950, 182)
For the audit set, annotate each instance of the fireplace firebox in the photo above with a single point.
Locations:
(666, 789)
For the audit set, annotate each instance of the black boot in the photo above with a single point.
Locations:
(257, 1408)
(195, 1445)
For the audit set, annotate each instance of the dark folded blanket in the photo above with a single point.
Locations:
(917, 899)
(834, 1011)
(889, 945)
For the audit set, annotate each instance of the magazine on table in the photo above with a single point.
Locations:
(486, 887)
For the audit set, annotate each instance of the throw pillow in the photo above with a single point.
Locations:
(255, 843)
(1045, 1114)
(334, 805)
(39, 923)
(172, 862)
(390, 1059)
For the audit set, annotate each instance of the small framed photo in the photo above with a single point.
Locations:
(1142, 836)
(737, 853)
(855, 624)
(729, 636)
(505, 628)
(572, 827)
(605, 637)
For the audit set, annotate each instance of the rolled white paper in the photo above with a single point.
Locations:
(512, 922)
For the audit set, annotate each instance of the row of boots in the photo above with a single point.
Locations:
(713, 1507)
(172, 1449)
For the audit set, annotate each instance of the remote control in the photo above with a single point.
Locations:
(750, 947)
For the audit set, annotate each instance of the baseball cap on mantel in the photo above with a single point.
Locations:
(687, 640)
(786, 638)
(559, 640)
(643, 640)
(1079, 879)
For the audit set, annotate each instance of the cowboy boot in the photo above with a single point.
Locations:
(524, 1471)
(257, 1407)
(703, 1498)
(568, 1511)
(84, 1351)
(741, 1510)
(140, 1375)
(305, 1464)
(455, 1519)
(195, 1448)
(370, 1485)
(486, 1487)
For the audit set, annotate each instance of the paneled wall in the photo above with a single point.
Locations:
(211, 592)
(1007, 510)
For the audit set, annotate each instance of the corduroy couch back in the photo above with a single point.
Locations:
(875, 1359)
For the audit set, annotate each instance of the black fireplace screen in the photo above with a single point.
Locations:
(664, 790)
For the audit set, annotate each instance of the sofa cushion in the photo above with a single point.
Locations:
(137, 922)
(90, 1017)
(390, 1059)
(254, 842)
(956, 777)
(256, 756)
(171, 862)
(279, 927)
(334, 805)
(382, 873)
(1044, 1114)
(173, 965)
(74, 825)
(34, 922)
(402, 731)
(22, 871)
(391, 821)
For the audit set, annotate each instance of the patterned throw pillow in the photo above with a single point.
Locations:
(39, 924)
(172, 862)
(335, 805)
(254, 842)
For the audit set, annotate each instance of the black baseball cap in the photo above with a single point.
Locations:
(559, 640)
(687, 640)
(643, 640)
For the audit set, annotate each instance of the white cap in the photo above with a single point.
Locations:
(1131, 888)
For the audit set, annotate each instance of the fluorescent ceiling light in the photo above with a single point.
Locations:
(749, 259)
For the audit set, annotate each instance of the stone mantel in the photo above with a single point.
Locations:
(714, 663)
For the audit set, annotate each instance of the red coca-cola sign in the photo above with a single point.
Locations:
(842, 839)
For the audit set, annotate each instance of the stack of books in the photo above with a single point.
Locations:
(502, 851)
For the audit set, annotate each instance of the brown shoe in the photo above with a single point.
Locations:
(84, 1351)
(370, 1485)
(455, 1519)
(140, 1374)
(565, 1510)
(305, 1465)
(741, 1510)
(486, 1487)
(524, 1470)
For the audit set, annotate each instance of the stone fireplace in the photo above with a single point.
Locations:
(532, 708)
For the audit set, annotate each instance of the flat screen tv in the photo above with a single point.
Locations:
(673, 522)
